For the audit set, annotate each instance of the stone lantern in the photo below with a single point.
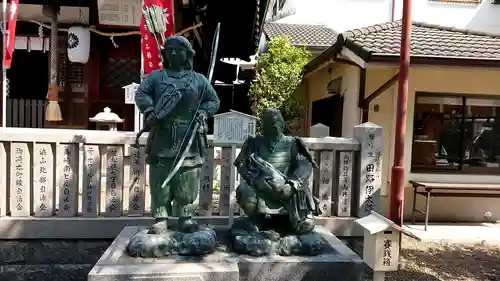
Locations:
(106, 119)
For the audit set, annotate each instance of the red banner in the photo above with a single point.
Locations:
(149, 49)
(11, 32)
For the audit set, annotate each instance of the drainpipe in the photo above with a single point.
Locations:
(393, 9)
(361, 95)
(398, 171)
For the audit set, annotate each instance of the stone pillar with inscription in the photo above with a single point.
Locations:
(68, 180)
(137, 181)
(43, 180)
(114, 181)
(367, 198)
(91, 181)
(20, 160)
(345, 180)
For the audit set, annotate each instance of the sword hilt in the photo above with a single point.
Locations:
(137, 137)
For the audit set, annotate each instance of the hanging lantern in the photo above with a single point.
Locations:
(78, 44)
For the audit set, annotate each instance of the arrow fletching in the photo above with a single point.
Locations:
(155, 22)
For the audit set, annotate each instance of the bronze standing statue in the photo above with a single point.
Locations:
(176, 103)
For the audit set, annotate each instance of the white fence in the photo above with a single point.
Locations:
(57, 183)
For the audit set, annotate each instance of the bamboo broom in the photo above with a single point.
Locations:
(53, 111)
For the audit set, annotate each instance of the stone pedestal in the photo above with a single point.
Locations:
(340, 264)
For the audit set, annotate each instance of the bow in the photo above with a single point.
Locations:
(213, 58)
(179, 158)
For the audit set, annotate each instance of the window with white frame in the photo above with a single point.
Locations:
(454, 132)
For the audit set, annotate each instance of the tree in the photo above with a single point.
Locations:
(278, 74)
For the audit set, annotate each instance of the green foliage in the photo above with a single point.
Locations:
(278, 73)
(216, 187)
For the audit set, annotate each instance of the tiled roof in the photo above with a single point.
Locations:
(458, 1)
(302, 34)
(427, 40)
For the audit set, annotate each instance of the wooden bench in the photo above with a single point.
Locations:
(441, 189)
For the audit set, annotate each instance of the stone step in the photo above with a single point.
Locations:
(45, 272)
(34, 252)
(49, 260)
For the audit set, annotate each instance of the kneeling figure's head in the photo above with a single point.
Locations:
(272, 122)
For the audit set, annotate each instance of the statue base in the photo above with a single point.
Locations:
(199, 242)
(246, 238)
(339, 264)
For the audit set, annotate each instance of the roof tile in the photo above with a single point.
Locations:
(302, 34)
(427, 40)
(458, 1)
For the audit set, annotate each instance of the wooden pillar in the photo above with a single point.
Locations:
(2, 108)
(3, 96)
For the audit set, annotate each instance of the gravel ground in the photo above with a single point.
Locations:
(426, 261)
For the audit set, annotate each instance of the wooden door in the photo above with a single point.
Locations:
(328, 111)
(117, 66)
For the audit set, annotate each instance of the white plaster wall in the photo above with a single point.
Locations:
(481, 17)
(342, 15)
(350, 84)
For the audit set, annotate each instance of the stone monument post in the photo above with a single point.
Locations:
(369, 136)
(320, 131)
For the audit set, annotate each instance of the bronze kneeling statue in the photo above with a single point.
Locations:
(274, 193)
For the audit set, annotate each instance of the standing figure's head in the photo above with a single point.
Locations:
(272, 122)
(178, 53)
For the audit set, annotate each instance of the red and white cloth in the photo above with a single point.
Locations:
(11, 33)
(149, 50)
